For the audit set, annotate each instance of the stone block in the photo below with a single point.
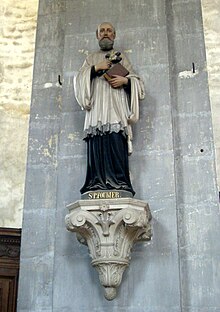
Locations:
(150, 14)
(43, 142)
(68, 96)
(191, 99)
(156, 170)
(78, 277)
(71, 136)
(187, 19)
(48, 7)
(199, 287)
(192, 136)
(197, 237)
(156, 134)
(198, 187)
(52, 34)
(38, 237)
(40, 180)
(196, 53)
(156, 102)
(36, 284)
(46, 101)
(48, 64)
(75, 169)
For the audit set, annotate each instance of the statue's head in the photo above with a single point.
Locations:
(105, 34)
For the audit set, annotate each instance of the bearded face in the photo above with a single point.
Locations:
(106, 35)
(106, 44)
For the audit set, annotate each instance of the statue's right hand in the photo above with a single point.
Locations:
(105, 64)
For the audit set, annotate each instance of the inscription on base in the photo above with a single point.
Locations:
(113, 194)
(103, 195)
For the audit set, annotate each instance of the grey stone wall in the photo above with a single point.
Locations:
(172, 166)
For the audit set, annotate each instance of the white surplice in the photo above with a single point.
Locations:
(107, 109)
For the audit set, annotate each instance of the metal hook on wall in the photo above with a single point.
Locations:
(59, 80)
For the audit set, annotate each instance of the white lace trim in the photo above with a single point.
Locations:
(100, 129)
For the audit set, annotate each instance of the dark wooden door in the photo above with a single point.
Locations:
(9, 268)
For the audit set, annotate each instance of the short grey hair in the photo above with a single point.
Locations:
(97, 30)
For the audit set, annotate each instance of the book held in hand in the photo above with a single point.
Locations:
(116, 69)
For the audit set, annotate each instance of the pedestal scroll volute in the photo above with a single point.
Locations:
(110, 228)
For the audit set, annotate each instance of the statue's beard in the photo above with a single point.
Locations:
(106, 44)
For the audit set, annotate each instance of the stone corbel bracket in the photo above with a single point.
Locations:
(110, 228)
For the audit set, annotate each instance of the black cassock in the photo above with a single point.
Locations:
(107, 163)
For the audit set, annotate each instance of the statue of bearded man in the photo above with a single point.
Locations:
(111, 106)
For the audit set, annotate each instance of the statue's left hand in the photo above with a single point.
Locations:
(118, 81)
